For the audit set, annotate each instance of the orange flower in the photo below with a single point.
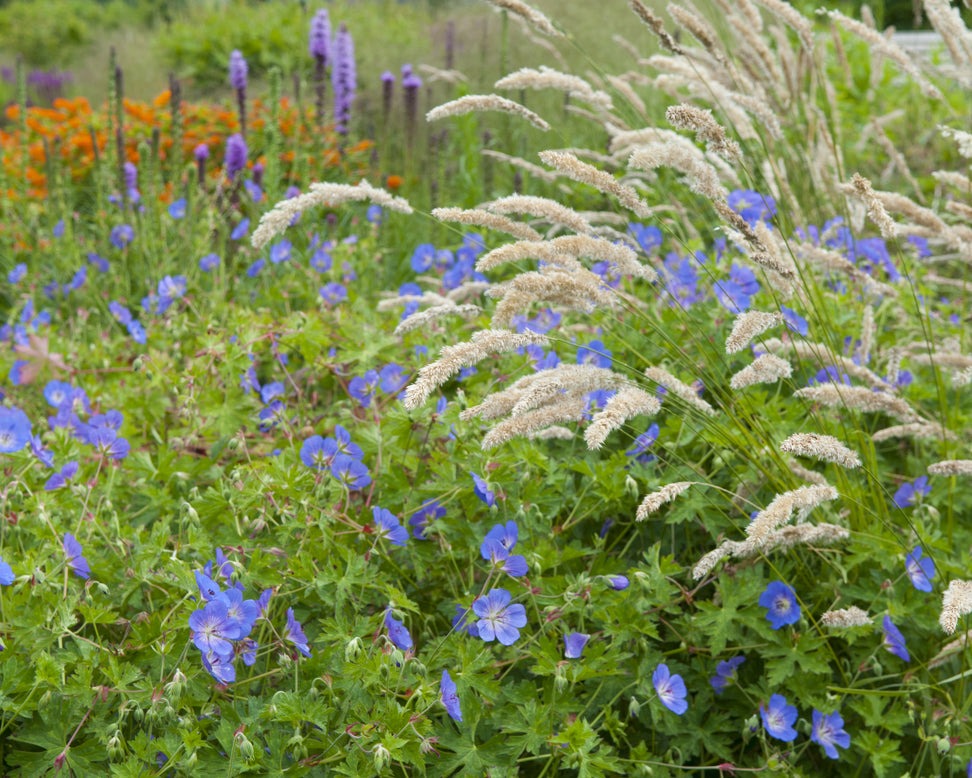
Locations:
(13, 111)
(163, 99)
(393, 182)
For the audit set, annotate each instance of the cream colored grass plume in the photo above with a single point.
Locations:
(824, 447)
(702, 177)
(846, 617)
(656, 25)
(656, 500)
(781, 539)
(956, 602)
(530, 15)
(578, 290)
(493, 221)
(859, 397)
(529, 167)
(548, 78)
(779, 511)
(427, 317)
(951, 467)
(453, 358)
(919, 431)
(563, 251)
(682, 390)
(480, 103)
(749, 325)
(566, 410)
(277, 219)
(624, 405)
(573, 168)
(705, 127)
(765, 369)
(543, 208)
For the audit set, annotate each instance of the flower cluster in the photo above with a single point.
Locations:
(339, 455)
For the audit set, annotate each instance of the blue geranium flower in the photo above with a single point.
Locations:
(497, 618)
(387, 527)
(828, 731)
(74, 556)
(920, 570)
(177, 209)
(483, 491)
(449, 696)
(908, 494)
(894, 641)
(209, 263)
(594, 354)
(671, 689)
(781, 604)
(295, 634)
(15, 430)
(779, 718)
(397, 632)
(240, 229)
(725, 673)
(574, 644)
(121, 236)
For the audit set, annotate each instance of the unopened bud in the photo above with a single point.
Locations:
(634, 707)
(560, 679)
(296, 746)
(353, 649)
(944, 745)
(631, 487)
(381, 756)
(245, 747)
(233, 443)
(116, 746)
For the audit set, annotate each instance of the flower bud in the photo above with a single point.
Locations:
(296, 746)
(634, 707)
(944, 745)
(631, 487)
(116, 746)
(245, 747)
(353, 649)
(190, 761)
(233, 443)
(381, 756)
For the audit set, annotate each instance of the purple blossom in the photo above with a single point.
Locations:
(387, 527)
(74, 556)
(295, 634)
(343, 78)
(778, 718)
(99, 262)
(350, 472)
(7, 576)
(393, 378)
(499, 557)
(121, 235)
(794, 321)
(319, 42)
(209, 262)
(463, 622)
(780, 602)
(725, 673)
(318, 453)
(15, 430)
(363, 388)
(321, 261)
(16, 275)
(894, 641)
(828, 731)
(429, 512)
(60, 479)
(254, 269)
(333, 293)
(617, 582)
(594, 354)
(920, 570)
(574, 644)
(483, 491)
(449, 696)
(177, 209)
(397, 632)
(240, 229)
(246, 612)
(235, 160)
(281, 251)
(45, 455)
(213, 628)
(220, 668)
(752, 206)
(497, 618)
(670, 688)
(908, 494)
(201, 152)
(237, 70)
(504, 534)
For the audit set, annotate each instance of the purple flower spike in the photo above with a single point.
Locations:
(497, 618)
(574, 644)
(894, 641)
(920, 570)
(73, 554)
(397, 632)
(237, 70)
(828, 731)
(236, 154)
(319, 44)
(343, 78)
(778, 718)
(780, 599)
(450, 698)
(671, 689)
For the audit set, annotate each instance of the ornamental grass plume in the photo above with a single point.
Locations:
(569, 165)
(480, 103)
(493, 221)
(779, 511)
(279, 218)
(657, 499)
(682, 390)
(833, 396)
(825, 447)
(749, 325)
(548, 78)
(846, 617)
(530, 15)
(706, 128)
(656, 25)
(422, 319)
(765, 369)
(626, 404)
(951, 467)
(543, 208)
(956, 602)
(453, 358)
